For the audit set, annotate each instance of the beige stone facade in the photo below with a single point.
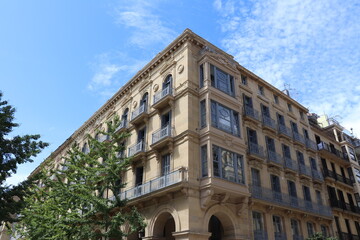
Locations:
(217, 151)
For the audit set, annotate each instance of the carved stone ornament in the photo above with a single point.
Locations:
(290, 176)
(228, 141)
(305, 181)
(274, 170)
(156, 87)
(180, 68)
(134, 104)
(255, 163)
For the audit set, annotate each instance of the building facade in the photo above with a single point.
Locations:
(219, 153)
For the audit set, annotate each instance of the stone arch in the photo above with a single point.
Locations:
(163, 215)
(225, 216)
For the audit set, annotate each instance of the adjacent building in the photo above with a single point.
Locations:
(219, 153)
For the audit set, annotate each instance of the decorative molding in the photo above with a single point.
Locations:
(206, 196)
(242, 205)
(156, 87)
(180, 68)
(305, 181)
(255, 163)
(274, 170)
(291, 176)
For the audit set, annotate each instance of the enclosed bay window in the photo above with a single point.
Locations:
(204, 161)
(228, 165)
(225, 118)
(203, 113)
(222, 80)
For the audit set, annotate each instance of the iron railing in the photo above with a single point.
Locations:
(260, 235)
(336, 152)
(338, 177)
(161, 134)
(284, 130)
(274, 157)
(290, 164)
(162, 94)
(137, 112)
(306, 170)
(297, 237)
(310, 144)
(155, 184)
(317, 175)
(298, 137)
(256, 149)
(251, 112)
(268, 121)
(280, 236)
(136, 148)
(123, 124)
(288, 201)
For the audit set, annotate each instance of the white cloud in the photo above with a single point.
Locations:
(311, 45)
(111, 71)
(147, 27)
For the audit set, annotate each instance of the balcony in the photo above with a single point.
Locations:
(317, 176)
(288, 201)
(256, 150)
(338, 177)
(155, 185)
(284, 131)
(348, 236)
(311, 145)
(279, 236)
(345, 206)
(102, 138)
(251, 114)
(274, 157)
(122, 126)
(139, 115)
(297, 237)
(291, 164)
(325, 149)
(298, 138)
(268, 123)
(163, 98)
(137, 150)
(260, 235)
(162, 137)
(305, 170)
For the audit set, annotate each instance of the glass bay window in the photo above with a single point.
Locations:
(225, 118)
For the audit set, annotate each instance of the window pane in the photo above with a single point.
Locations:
(204, 161)
(257, 221)
(202, 114)
(224, 118)
(201, 75)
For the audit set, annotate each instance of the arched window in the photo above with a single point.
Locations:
(85, 148)
(215, 228)
(125, 115)
(168, 82)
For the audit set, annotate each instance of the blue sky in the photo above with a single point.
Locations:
(61, 60)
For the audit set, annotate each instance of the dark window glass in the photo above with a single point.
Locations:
(222, 80)
(225, 118)
(201, 70)
(203, 113)
(204, 161)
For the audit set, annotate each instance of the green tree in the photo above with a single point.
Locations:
(72, 202)
(320, 236)
(14, 150)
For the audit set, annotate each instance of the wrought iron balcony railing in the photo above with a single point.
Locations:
(303, 169)
(298, 137)
(334, 151)
(260, 235)
(162, 94)
(123, 124)
(137, 112)
(155, 184)
(297, 237)
(161, 134)
(280, 236)
(290, 164)
(337, 177)
(256, 149)
(136, 148)
(286, 200)
(268, 121)
(284, 130)
(317, 175)
(310, 144)
(251, 112)
(274, 157)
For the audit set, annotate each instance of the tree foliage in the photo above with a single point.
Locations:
(14, 150)
(320, 236)
(73, 203)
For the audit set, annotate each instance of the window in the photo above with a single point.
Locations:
(225, 118)
(294, 127)
(261, 90)
(276, 99)
(275, 183)
(265, 111)
(286, 151)
(252, 137)
(318, 197)
(201, 73)
(255, 177)
(247, 101)
(221, 80)
(295, 228)
(357, 174)
(292, 189)
(281, 119)
(270, 144)
(165, 165)
(324, 230)
(289, 107)
(228, 165)
(307, 196)
(257, 222)
(302, 115)
(352, 153)
(300, 158)
(277, 226)
(243, 80)
(310, 229)
(306, 133)
(203, 113)
(204, 161)
(313, 163)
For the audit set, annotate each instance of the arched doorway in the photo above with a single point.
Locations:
(215, 228)
(164, 226)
